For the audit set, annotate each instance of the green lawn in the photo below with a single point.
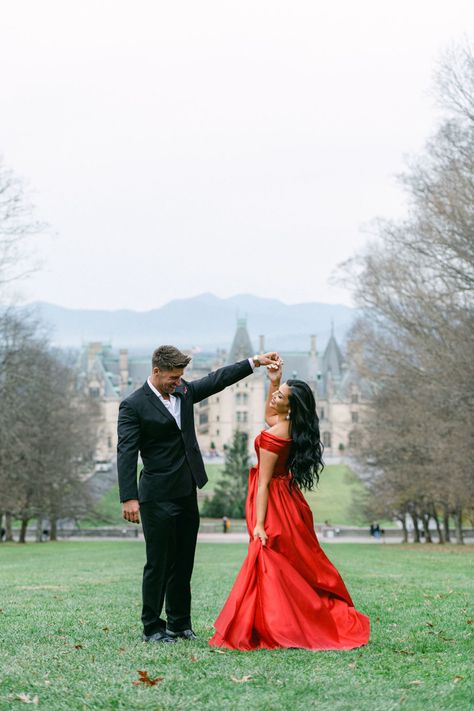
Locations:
(331, 500)
(70, 635)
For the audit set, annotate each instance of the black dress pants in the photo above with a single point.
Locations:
(170, 529)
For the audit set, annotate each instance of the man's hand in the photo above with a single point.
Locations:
(272, 359)
(131, 511)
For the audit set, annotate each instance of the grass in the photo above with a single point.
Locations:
(70, 635)
(330, 501)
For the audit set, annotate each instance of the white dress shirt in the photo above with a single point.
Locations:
(173, 405)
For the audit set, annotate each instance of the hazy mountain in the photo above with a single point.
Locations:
(205, 321)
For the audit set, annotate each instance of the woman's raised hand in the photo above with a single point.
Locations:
(274, 371)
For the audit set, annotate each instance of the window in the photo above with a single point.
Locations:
(217, 418)
(241, 398)
(242, 416)
(355, 417)
(204, 402)
(327, 439)
(321, 414)
(354, 439)
(94, 392)
(203, 418)
(355, 397)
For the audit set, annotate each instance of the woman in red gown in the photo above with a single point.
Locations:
(287, 593)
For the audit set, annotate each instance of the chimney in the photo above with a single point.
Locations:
(123, 368)
(93, 349)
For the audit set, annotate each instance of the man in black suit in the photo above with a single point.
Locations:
(157, 421)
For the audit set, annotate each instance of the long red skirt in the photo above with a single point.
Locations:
(288, 593)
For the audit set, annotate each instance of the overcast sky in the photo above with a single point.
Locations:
(182, 147)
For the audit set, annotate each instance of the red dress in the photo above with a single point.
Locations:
(287, 593)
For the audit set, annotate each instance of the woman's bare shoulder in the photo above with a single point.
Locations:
(280, 429)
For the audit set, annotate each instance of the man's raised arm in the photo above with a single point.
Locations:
(228, 375)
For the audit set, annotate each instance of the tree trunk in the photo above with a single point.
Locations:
(458, 525)
(447, 536)
(53, 531)
(39, 529)
(438, 526)
(426, 527)
(416, 529)
(8, 527)
(24, 526)
(403, 521)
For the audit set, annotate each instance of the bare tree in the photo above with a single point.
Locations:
(415, 284)
(17, 226)
(47, 434)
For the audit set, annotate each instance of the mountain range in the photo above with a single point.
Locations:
(204, 322)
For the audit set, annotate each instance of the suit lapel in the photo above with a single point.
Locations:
(156, 402)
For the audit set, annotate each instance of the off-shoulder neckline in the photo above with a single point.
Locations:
(270, 434)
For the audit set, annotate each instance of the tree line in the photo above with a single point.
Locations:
(47, 427)
(414, 340)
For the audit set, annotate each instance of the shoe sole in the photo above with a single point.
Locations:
(176, 636)
(163, 640)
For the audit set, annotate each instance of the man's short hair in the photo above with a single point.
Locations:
(169, 358)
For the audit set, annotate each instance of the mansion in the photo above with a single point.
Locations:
(341, 398)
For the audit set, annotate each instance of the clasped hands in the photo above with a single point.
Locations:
(272, 360)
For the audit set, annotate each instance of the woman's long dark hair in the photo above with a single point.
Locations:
(305, 460)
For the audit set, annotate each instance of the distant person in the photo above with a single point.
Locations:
(3, 533)
(377, 532)
(225, 524)
(288, 593)
(157, 421)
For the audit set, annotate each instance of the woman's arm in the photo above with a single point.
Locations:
(265, 473)
(274, 374)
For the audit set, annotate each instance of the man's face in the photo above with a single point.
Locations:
(166, 381)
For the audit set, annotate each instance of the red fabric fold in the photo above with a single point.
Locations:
(287, 593)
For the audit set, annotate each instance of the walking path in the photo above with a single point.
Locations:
(229, 538)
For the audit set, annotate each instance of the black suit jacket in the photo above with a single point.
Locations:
(171, 456)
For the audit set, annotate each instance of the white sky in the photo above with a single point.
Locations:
(181, 147)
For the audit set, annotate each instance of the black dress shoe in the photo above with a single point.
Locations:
(159, 637)
(184, 634)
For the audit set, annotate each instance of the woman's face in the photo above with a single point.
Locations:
(280, 399)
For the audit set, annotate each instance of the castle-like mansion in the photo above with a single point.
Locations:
(110, 376)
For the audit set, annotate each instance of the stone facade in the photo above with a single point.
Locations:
(341, 398)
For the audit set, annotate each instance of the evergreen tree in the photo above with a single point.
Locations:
(231, 491)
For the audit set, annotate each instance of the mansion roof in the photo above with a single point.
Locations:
(120, 373)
